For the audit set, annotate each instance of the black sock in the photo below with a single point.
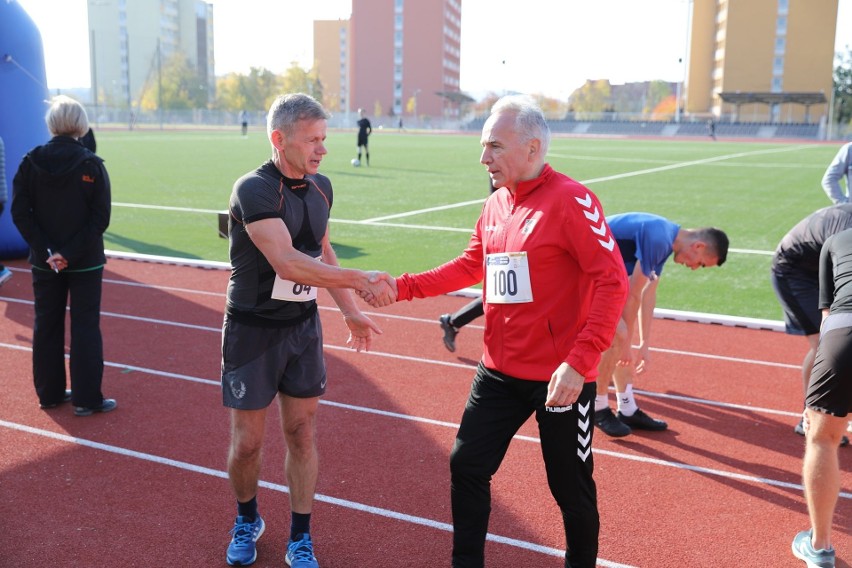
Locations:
(300, 524)
(248, 509)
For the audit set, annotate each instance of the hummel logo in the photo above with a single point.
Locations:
(585, 447)
(558, 409)
(88, 179)
(597, 222)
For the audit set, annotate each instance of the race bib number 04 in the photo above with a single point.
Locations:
(293, 291)
(507, 278)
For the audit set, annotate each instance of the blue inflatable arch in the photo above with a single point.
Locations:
(23, 90)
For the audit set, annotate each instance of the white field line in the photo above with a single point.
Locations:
(380, 221)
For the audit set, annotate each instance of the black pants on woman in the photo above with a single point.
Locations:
(497, 407)
(51, 292)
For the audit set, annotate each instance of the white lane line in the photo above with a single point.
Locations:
(344, 503)
(218, 329)
(454, 425)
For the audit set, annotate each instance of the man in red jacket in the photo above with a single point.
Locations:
(554, 286)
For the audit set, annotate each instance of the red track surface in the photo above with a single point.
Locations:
(146, 485)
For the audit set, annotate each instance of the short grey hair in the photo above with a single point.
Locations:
(529, 119)
(287, 110)
(66, 117)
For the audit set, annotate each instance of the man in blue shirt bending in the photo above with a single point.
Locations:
(646, 242)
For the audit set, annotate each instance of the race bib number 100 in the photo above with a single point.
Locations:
(507, 278)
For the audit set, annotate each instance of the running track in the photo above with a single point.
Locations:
(146, 485)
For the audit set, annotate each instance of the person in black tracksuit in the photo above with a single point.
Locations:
(364, 131)
(61, 206)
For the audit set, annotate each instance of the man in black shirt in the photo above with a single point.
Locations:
(281, 252)
(828, 401)
(795, 277)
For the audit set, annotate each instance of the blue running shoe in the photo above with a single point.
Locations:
(241, 551)
(804, 550)
(300, 553)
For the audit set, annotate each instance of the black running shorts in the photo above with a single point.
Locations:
(799, 298)
(830, 386)
(259, 362)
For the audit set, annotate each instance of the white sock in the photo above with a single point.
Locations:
(626, 402)
(601, 402)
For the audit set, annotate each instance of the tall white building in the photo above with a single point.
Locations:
(130, 40)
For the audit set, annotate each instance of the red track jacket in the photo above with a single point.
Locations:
(578, 280)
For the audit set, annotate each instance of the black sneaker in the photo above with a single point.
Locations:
(106, 406)
(450, 332)
(641, 421)
(611, 426)
(65, 398)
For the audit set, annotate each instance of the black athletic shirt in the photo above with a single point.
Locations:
(799, 250)
(835, 273)
(304, 205)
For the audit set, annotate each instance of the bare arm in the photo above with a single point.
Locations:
(631, 310)
(273, 240)
(646, 316)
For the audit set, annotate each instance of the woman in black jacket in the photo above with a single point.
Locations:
(61, 206)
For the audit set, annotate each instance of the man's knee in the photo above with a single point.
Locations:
(825, 429)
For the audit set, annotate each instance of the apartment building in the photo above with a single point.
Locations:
(395, 58)
(761, 60)
(129, 40)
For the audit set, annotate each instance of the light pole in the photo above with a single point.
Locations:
(414, 106)
(677, 96)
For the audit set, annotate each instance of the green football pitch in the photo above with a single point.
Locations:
(414, 207)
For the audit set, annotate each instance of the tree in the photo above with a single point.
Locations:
(657, 92)
(552, 108)
(593, 96)
(298, 80)
(178, 86)
(665, 109)
(255, 91)
(483, 106)
(843, 88)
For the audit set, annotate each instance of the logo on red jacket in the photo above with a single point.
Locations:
(596, 221)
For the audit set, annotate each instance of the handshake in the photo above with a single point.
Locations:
(380, 290)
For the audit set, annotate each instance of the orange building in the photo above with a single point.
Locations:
(395, 58)
(761, 60)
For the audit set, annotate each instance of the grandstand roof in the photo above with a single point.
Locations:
(739, 98)
(456, 96)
